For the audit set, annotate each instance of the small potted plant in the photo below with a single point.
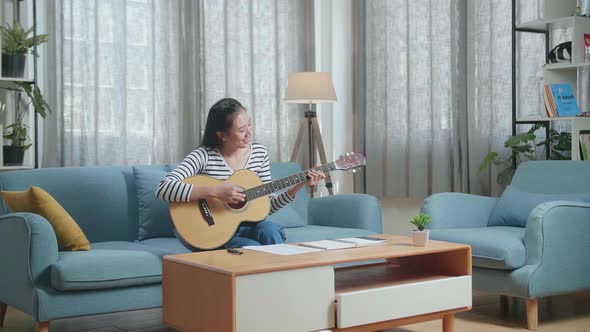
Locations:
(16, 43)
(420, 236)
(17, 132)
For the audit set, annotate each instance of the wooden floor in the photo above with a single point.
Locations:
(569, 313)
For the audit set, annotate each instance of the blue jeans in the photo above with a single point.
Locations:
(256, 234)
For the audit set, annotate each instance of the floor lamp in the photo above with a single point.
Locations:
(311, 88)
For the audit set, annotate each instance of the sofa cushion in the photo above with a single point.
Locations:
(108, 265)
(295, 213)
(171, 245)
(313, 233)
(514, 206)
(499, 247)
(36, 200)
(154, 217)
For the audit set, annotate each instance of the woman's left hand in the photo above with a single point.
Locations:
(313, 178)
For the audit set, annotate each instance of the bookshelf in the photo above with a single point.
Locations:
(24, 12)
(555, 14)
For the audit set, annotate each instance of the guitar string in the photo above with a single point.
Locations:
(285, 182)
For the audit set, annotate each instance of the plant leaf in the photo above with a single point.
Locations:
(487, 160)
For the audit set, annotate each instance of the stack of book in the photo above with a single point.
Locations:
(560, 100)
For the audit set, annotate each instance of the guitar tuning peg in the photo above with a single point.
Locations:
(348, 154)
(354, 170)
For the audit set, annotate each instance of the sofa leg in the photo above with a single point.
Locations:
(504, 305)
(42, 326)
(2, 313)
(532, 314)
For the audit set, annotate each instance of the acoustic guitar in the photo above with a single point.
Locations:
(210, 223)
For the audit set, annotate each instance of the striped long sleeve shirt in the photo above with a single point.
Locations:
(207, 161)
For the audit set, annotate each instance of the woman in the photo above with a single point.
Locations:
(226, 148)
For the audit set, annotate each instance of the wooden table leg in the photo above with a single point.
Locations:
(2, 313)
(42, 326)
(448, 323)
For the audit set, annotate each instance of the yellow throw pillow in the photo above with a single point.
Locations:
(36, 200)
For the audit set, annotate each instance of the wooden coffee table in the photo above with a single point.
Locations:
(256, 291)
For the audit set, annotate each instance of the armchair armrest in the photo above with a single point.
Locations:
(557, 242)
(350, 210)
(458, 210)
(29, 248)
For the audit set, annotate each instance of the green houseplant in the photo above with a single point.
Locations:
(420, 236)
(17, 132)
(16, 43)
(523, 148)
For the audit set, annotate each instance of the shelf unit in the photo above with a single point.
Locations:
(25, 12)
(557, 14)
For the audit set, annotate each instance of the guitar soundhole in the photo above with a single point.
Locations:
(237, 206)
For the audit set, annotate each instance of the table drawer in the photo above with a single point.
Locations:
(403, 298)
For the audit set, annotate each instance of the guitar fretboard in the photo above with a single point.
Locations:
(285, 182)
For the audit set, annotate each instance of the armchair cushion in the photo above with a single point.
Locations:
(108, 265)
(499, 247)
(514, 206)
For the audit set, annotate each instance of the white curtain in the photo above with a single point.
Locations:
(134, 79)
(438, 94)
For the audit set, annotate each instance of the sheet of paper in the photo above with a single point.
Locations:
(283, 249)
(361, 242)
(329, 244)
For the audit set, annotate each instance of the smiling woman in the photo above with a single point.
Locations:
(226, 148)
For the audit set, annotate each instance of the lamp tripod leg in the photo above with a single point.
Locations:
(319, 144)
(297, 145)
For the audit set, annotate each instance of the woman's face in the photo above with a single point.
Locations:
(240, 133)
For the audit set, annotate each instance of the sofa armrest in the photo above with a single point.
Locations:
(29, 248)
(458, 210)
(349, 210)
(557, 242)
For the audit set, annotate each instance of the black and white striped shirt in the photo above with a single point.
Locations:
(207, 161)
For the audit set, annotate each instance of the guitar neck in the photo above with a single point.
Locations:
(277, 185)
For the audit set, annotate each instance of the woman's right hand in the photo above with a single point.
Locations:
(229, 193)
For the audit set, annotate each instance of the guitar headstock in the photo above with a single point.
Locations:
(350, 161)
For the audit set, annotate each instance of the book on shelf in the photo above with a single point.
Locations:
(584, 144)
(560, 100)
(549, 103)
(343, 243)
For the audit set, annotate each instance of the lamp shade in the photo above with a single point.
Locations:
(310, 88)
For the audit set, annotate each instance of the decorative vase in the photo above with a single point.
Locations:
(13, 155)
(13, 65)
(420, 238)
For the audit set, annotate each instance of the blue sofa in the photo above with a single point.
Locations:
(130, 232)
(546, 253)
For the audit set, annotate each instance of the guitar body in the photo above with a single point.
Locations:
(195, 229)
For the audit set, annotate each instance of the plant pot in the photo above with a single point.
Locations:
(13, 65)
(13, 155)
(420, 238)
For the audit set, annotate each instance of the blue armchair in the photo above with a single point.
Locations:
(544, 254)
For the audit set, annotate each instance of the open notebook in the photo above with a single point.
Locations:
(349, 242)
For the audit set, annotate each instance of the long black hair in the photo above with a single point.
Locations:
(220, 118)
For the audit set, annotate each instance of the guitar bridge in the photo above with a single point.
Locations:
(205, 212)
